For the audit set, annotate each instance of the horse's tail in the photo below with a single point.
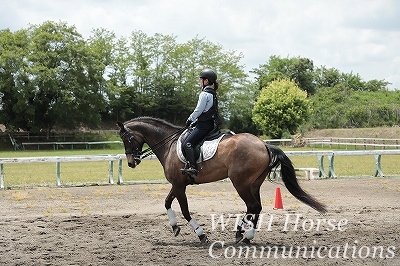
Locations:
(289, 178)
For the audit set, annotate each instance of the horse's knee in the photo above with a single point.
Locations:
(168, 200)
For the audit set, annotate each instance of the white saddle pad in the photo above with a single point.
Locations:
(209, 148)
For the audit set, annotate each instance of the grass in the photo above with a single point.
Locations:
(36, 174)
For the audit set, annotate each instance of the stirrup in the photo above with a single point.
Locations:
(190, 171)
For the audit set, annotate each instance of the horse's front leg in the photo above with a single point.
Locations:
(171, 214)
(180, 193)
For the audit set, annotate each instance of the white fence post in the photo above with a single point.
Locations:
(120, 172)
(58, 173)
(331, 172)
(321, 166)
(378, 169)
(111, 173)
(1, 176)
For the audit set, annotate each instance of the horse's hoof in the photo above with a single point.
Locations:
(176, 229)
(246, 241)
(203, 238)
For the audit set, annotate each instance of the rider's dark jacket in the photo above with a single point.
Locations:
(207, 106)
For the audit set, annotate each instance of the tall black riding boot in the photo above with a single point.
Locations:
(191, 157)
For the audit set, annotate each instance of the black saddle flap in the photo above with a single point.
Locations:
(214, 134)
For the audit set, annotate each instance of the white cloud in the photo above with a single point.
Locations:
(358, 36)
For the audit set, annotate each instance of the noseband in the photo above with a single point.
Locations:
(132, 149)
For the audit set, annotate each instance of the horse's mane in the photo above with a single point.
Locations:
(152, 120)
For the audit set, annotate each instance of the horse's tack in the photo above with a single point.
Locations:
(208, 149)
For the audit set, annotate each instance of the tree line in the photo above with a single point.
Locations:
(51, 77)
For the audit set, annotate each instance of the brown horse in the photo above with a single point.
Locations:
(243, 158)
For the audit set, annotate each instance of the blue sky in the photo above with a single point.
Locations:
(359, 36)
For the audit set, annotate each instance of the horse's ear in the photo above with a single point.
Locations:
(121, 125)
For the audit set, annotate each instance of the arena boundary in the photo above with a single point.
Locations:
(120, 157)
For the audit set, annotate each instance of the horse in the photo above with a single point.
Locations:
(243, 158)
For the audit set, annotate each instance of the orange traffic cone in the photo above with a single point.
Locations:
(278, 199)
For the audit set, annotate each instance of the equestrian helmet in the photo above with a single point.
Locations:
(209, 74)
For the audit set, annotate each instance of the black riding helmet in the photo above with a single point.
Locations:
(209, 74)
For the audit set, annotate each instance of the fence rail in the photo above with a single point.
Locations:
(366, 143)
(374, 143)
(331, 156)
(57, 144)
(59, 159)
(120, 157)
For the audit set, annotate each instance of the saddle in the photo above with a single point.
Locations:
(205, 149)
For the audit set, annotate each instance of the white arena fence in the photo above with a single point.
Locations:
(346, 143)
(57, 144)
(59, 159)
(331, 156)
(311, 173)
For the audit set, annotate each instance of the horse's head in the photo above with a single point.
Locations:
(133, 146)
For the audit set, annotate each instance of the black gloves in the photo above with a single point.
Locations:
(188, 122)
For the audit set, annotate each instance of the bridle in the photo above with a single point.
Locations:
(139, 155)
(132, 149)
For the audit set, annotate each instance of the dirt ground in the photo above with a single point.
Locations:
(128, 225)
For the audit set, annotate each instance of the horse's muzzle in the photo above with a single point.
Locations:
(136, 162)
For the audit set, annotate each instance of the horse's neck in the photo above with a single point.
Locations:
(154, 135)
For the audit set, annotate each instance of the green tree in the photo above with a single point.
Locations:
(55, 79)
(326, 77)
(329, 108)
(190, 58)
(101, 45)
(376, 85)
(156, 76)
(340, 107)
(67, 78)
(298, 69)
(282, 106)
(241, 106)
(330, 77)
(119, 93)
(16, 89)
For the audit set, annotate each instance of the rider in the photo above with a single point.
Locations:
(206, 113)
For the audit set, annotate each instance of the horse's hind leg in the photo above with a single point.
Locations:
(171, 214)
(254, 208)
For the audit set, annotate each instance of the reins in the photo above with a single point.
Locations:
(150, 151)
